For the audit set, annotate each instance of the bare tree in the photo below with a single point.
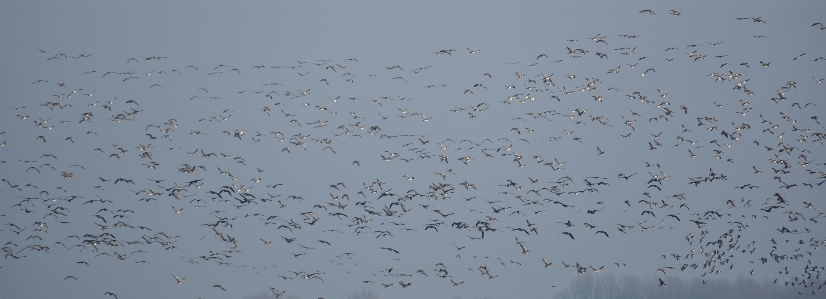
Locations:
(364, 294)
(600, 286)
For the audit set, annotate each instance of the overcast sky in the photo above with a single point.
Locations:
(688, 134)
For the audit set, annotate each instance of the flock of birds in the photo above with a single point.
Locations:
(453, 185)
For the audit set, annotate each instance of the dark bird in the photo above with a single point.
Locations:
(390, 249)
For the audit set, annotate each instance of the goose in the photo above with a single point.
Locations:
(389, 249)
(314, 275)
(547, 263)
(277, 294)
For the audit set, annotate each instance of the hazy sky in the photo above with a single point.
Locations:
(723, 166)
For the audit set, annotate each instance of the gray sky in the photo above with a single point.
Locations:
(196, 70)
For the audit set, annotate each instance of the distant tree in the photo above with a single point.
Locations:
(603, 286)
(268, 295)
(262, 295)
(364, 294)
(485, 297)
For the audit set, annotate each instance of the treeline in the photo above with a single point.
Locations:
(605, 286)
(629, 286)
(363, 294)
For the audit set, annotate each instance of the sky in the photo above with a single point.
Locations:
(324, 147)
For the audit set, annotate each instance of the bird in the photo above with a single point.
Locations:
(389, 249)
(230, 199)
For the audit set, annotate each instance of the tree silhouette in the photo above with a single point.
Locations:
(604, 286)
(364, 294)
